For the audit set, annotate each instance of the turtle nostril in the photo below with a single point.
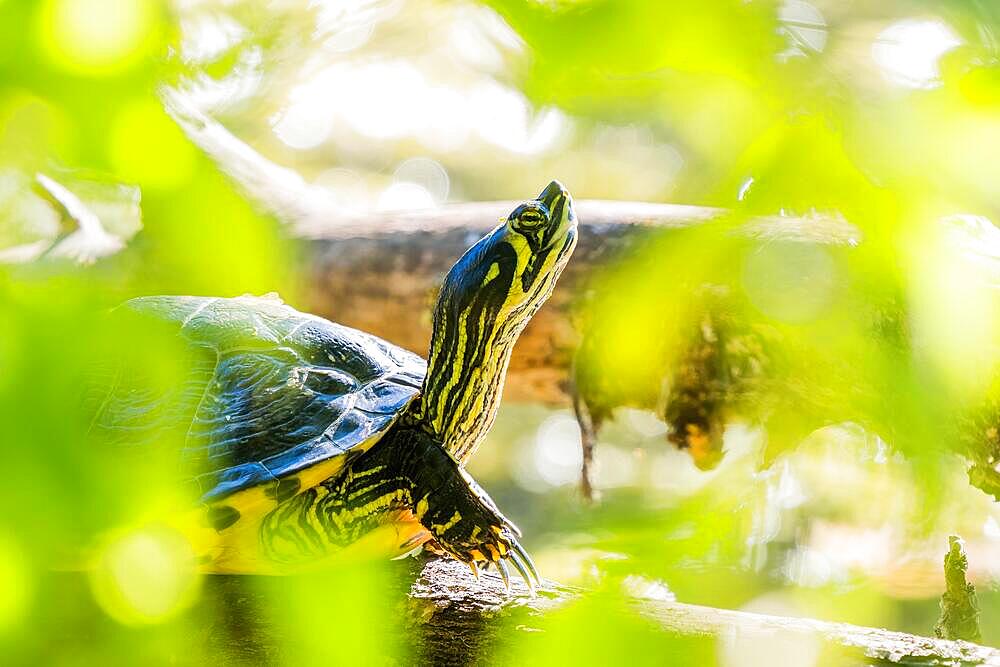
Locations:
(551, 192)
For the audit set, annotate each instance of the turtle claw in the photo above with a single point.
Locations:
(511, 527)
(473, 531)
(515, 555)
(519, 555)
(504, 551)
(504, 574)
(519, 566)
(505, 554)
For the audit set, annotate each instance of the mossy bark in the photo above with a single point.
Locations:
(959, 607)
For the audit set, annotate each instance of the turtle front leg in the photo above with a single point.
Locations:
(406, 469)
(458, 513)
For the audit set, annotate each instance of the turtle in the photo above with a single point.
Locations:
(301, 437)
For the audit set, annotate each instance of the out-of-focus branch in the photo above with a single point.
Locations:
(280, 191)
(310, 211)
(64, 216)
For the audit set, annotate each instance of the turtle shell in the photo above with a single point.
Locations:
(268, 391)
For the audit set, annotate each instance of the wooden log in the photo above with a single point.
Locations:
(379, 272)
(450, 618)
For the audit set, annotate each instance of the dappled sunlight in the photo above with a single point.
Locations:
(145, 576)
(98, 36)
(366, 100)
(908, 51)
(769, 648)
(556, 455)
(791, 376)
(956, 306)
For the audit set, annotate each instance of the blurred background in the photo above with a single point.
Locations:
(884, 114)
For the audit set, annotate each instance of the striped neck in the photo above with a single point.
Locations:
(470, 352)
(486, 301)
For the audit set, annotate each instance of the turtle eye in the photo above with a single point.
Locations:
(529, 218)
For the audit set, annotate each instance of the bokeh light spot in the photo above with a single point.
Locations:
(303, 125)
(426, 173)
(505, 118)
(908, 51)
(97, 36)
(404, 196)
(557, 453)
(447, 126)
(366, 99)
(146, 576)
(955, 309)
(991, 528)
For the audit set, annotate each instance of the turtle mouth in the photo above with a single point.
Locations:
(559, 204)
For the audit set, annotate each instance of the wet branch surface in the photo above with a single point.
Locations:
(450, 618)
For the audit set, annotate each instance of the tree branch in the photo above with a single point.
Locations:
(380, 272)
(452, 619)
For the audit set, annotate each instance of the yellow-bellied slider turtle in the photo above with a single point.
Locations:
(303, 435)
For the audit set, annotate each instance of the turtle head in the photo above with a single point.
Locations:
(487, 299)
(509, 272)
(537, 239)
(543, 231)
